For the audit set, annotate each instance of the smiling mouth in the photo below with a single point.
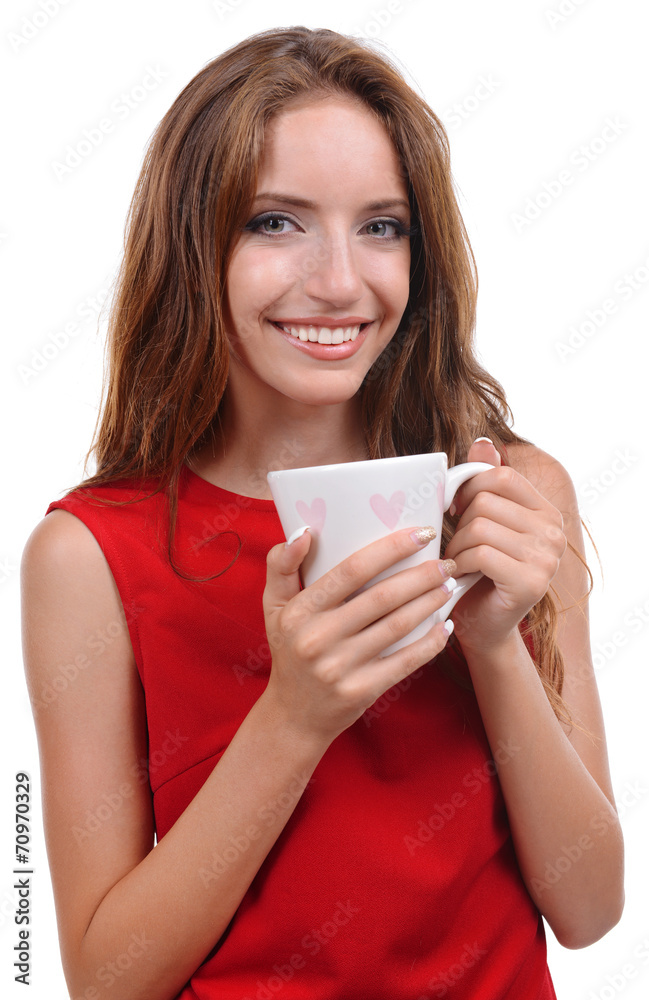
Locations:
(322, 334)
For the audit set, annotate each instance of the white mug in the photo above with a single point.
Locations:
(347, 506)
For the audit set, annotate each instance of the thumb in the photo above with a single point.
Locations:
(483, 450)
(282, 571)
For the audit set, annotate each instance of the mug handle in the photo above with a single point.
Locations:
(458, 475)
(454, 479)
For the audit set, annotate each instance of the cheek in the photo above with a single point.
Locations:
(391, 275)
(404, 272)
(404, 293)
(257, 279)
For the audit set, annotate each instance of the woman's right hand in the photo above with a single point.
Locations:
(327, 667)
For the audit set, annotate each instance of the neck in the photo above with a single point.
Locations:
(247, 446)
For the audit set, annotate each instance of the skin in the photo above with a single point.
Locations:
(513, 527)
(330, 261)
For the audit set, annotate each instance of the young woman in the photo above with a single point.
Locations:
(297, 289)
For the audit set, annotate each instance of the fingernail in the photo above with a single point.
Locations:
(448, 626)
(447, 568)
(452, 509)
(483, 439)
(450, 585)
(422, 536)
(297, 534)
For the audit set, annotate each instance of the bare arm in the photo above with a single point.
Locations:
(556, 784)
(159, 909)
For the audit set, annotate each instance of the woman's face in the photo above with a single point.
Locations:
(319, 278)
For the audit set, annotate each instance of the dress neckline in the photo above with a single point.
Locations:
(210, 491)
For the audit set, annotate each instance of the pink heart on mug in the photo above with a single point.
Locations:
(388, 511)
(313, 515)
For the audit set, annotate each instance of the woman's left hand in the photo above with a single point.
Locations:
(513, 535)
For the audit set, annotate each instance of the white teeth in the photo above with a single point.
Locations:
(322, 334)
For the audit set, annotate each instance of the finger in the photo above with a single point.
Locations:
(332, 588)
(478, 531)
(398, 593)
(484, 450)
(282, 572)
(500, 509)
(505, 482)
(389, 670)
(529, 580)
(398, 624)
(545, 526)
(536, 531)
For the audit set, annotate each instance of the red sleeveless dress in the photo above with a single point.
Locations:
(395, 877)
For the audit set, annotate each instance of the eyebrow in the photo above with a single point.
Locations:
(372, 206)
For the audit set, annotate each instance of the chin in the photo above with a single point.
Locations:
(320, 395)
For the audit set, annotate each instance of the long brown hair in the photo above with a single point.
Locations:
(168, 356)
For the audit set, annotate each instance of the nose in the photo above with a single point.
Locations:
(332, 272)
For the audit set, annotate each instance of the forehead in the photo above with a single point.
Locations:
(328, 141)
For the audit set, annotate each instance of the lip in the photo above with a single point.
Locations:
(322, 321)
(324, 352)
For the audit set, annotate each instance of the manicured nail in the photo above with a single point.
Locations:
(448, 626)
(447, 568)
(297, 534)
(422, 536)
(450, 585)
(483, 439)
(452, 509)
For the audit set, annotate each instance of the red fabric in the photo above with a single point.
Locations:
(395, 877)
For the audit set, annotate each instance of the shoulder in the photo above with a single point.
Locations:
(68, 598)
(59, 540)
(546, 474)
(64, 573)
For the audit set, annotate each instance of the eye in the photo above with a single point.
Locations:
(271, 224)
(379, 228)
(387, 229)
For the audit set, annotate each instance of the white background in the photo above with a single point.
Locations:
(521, 87)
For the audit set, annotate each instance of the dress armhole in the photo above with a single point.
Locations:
(117, 569)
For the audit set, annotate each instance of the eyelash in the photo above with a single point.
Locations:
(401, 231)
